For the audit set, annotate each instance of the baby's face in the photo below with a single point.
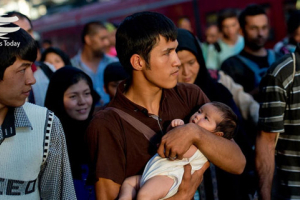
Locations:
(208, 116)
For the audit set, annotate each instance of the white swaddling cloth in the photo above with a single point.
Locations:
(173, 169)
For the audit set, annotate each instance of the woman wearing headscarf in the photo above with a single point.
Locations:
(71, 97)
(193, 70)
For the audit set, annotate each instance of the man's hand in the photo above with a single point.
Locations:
(177, 141)
(190, 182)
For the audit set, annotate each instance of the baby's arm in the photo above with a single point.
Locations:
(130, 187)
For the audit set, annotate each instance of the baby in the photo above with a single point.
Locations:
(162, 177)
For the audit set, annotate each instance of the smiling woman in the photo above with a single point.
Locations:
(71, 97)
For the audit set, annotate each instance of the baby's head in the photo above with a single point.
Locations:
(217, 118)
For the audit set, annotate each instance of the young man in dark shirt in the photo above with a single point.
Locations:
(146, 44)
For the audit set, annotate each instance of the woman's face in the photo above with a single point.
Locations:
(54, 60)
(78, 101)
(189, 67)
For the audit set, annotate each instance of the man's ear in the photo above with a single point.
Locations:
(219, 133)
(87, 40)
(137, 62)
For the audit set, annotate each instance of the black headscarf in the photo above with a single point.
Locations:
(213, 90)
(74, 130)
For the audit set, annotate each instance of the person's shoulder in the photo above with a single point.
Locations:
(230, 62)
(105, 117)
(283, 62)
(111, 58)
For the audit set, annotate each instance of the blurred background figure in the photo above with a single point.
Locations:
(71, 97)
(25, 23)
(46, 44)
(289, 43)
(231, 42)
(92, 58)
(113, 75)
(52, 59)
(250, 65)
(212, 34)
(112, 29)
(210, 46)
(185, 23)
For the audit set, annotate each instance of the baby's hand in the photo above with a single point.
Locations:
(177, 122)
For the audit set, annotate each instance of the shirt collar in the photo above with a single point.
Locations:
(21, 119)
(15, 118)
(122, 99)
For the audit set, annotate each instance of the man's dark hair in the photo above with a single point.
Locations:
(225, 14)
(139, 33)
(27, 49)
(19, 15)
(58, 52)
(229, 122)
(250, 10)
(293, 22)
(91, 28)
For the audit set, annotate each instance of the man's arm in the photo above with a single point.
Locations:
(265, 162)
(224, 153)
(56, 179)
(106, 189)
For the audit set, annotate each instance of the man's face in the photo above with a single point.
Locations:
(163, 64)
(24, 24)
(16, 84)
(99, 42)
(230, 28)
(296, 35)
(256, 31)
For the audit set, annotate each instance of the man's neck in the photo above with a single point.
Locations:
(231, 42)
(3, 112)
(145, 95)
(88, 58)
(261, 52)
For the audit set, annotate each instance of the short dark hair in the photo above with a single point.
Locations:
(229, 122)
(293, 22)
(250, 10)
(20, 16)
(27, 50)
(91, 29)
(139, 33)
(57, 51)
(114, 72)
(225, 14)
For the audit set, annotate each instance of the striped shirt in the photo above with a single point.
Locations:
(280, 112)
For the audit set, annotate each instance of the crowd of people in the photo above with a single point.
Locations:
(145, 110)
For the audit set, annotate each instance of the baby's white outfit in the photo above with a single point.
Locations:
(173, 169)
